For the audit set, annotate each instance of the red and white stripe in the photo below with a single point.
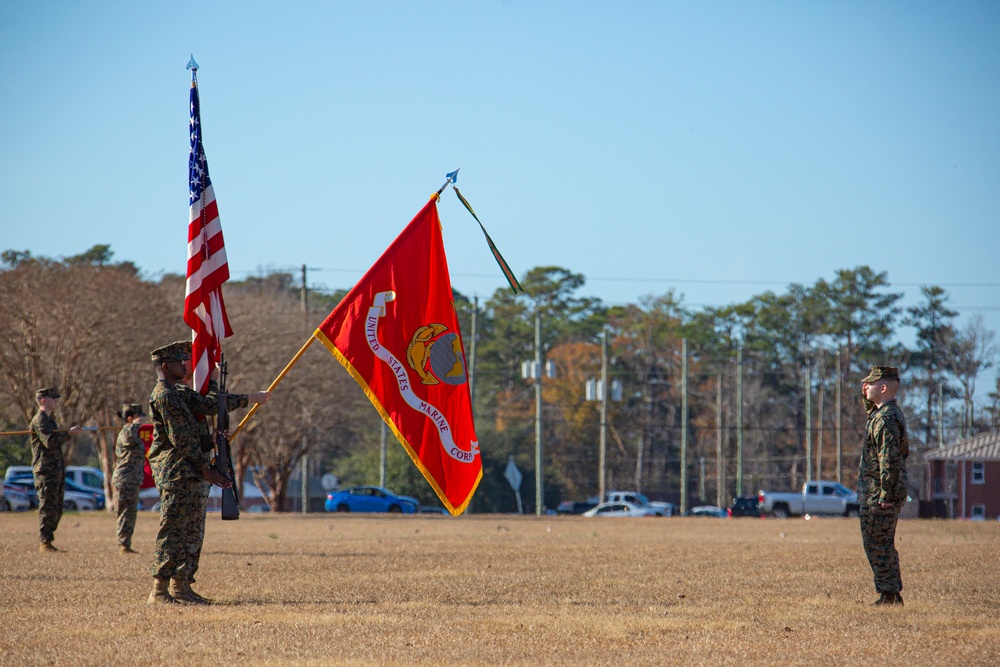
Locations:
(207, 270)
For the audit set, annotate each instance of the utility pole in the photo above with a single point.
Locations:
(719, 461)
(739, 421)
(684, 426)
(840, 412)
(304, 291)
(809, 432)
(472, 354)
(819, 429)
(600, 390)
(603, 462)
(534, 370)
(539, 478)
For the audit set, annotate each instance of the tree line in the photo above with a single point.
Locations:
(770, 396)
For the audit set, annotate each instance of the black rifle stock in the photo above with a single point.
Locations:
(224, 459)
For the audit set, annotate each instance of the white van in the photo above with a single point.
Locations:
(91, 478)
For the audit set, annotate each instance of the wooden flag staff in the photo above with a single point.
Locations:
(274, 384)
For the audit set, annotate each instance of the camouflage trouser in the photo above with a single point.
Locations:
(878, 534)
(51, 489)
(182, 516)
(128, 502)
(196, 554)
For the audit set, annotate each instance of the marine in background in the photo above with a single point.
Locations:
(882, 480)
(47, 465)
(130, 459)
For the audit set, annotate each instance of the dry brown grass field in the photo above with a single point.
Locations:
(502, 590)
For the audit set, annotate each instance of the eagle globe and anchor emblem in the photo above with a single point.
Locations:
(435, 355)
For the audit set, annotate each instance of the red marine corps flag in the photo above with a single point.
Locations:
(397, 334)
(207, 266)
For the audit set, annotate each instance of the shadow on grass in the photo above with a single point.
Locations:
(297, 554)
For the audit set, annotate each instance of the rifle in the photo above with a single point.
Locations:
(224, 459)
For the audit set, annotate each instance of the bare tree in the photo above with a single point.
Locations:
(86, 329)
(972, 351)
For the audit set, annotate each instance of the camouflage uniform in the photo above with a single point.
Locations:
(178, 465)
(130, 454)
(49, 470)
(883, 479)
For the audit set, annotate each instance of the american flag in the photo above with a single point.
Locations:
(207, 268)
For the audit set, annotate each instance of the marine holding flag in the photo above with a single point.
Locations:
(397, 334)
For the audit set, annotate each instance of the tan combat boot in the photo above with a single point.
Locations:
(160, 594)
(46, 546)
(125, 550)
(180, 590)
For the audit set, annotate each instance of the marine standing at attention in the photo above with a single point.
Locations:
(47, 465)
(179, 470)
(130, 457)
(882, 480)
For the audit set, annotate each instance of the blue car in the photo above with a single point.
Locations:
(370, 499)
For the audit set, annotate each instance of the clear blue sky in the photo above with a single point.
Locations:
(717, 148)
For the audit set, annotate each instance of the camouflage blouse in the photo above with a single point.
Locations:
(130, 457)
(883, 475)
(181, 447)
(46, 444)
(175, 454)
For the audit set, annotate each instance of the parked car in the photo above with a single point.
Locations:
(16, 471)
(369, 499)
(15, 499)
(98, 496)
(431, 509)
(72, 500)
(708, 510)
(621, 508)
(20, 498)
(814, 498)
(575, 506)
(745, 506)
(91, 479)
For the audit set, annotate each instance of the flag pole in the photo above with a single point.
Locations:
(450, 177)
(274, 384)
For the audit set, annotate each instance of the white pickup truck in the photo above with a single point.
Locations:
(815, 498)
(656, 508)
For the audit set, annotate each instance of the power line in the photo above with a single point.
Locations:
(668, 281)
(632, 279)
